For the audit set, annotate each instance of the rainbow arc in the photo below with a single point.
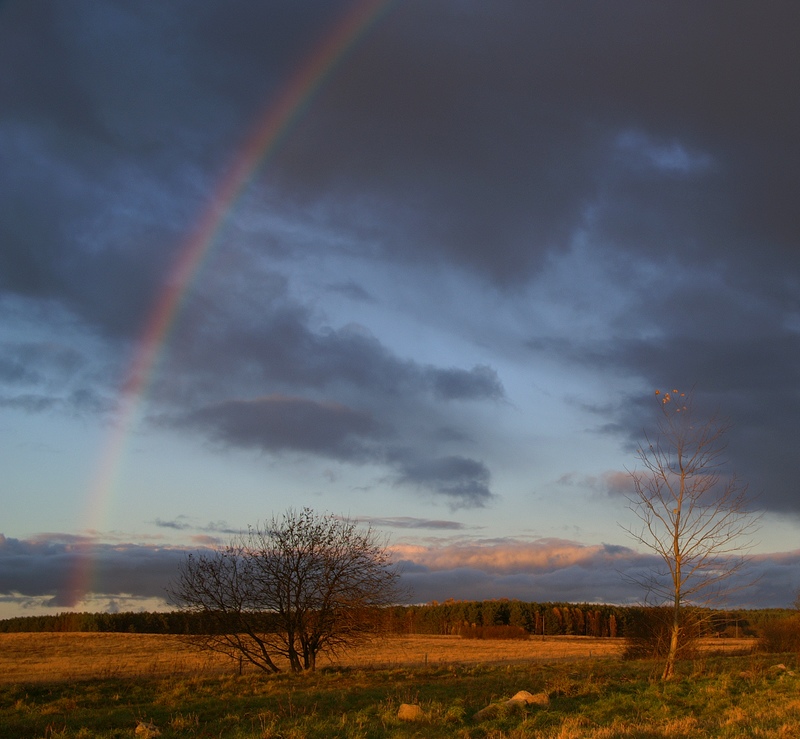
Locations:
(280, 115)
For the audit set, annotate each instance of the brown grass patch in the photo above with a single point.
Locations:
(37, 657)
(33, 657)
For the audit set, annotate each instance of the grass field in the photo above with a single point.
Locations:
(37, 657)
(79, 656)
(101, 685)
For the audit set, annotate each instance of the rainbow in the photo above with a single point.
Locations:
(280, 115)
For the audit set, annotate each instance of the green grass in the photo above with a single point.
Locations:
(713, 697)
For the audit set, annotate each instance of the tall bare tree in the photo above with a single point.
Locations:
(297, 586)
(694, 517)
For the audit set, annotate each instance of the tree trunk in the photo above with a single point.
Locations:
(677, 575)
(294, 657)
(669, 667)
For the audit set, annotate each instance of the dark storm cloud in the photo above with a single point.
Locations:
(498, 132)
(279, 344)
(655, 127)
(379, 394)
(120, 117)
(279, 423)
(301, 425)
(748, 378)
(488, 138)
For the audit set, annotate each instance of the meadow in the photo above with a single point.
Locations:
(105, 685)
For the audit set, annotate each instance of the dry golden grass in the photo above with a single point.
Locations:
(76, 656)
(36, 657)
(422, 649)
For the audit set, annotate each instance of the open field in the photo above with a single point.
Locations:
(31, 657)
(103, 685)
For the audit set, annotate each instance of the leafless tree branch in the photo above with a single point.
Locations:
(695, 520)
(295, 587)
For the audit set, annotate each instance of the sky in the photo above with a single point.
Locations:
(421, 264)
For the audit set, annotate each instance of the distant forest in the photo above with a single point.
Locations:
(477, 619)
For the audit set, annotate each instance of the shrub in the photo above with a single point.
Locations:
(781, 635)
(648, 631)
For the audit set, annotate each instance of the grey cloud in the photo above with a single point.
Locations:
(220, 527)
(79, 401)
(478, 383)
(352, 290)
(31, 362)
(371, 396)
(744, 371)
(47, 566)
(13, 370)
(594, 581)
(184, 523)
(410, 522)
(462, 481)
(88, 400)
(496, 163)
(176, 525)
(42, 568)
(31, 403)
(515, 153)
(613, 483)
(279, 423)
(278, 343)
(49, 376)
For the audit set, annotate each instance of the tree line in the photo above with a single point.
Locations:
(563, 619)
(450, 617)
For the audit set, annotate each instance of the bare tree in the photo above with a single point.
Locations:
(295, 587)
(691, 515)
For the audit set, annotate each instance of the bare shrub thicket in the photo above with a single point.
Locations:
(648, 633)
(293, 588)
(781, 635)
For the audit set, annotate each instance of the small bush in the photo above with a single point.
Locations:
(648, 633)
(493, 632)
(781, 635)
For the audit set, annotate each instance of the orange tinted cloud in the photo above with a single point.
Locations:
(506, 556)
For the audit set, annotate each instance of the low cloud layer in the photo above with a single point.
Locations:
(34, 572)
(49, 566)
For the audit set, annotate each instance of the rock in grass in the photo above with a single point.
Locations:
(517, 702)
(409, 712)
(539, 699)
(146, 730)
(493, 710)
